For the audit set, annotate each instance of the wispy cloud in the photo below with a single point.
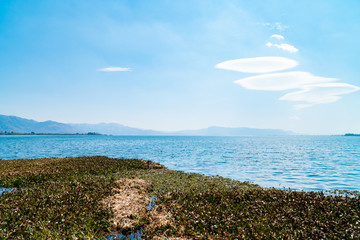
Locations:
(115, 69)
(320, 93)
(258, 64)
(277, 36)
(283, 46)
(311, 89)
(275, 26)
(281, 81)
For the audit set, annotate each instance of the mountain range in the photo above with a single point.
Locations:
(22, 125)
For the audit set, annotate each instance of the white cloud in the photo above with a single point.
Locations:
(313, 89)
(320, 93)
(277, 25)
(283, 46)
(277, 36)
(115, 69)
(281, 81)
(258, 64)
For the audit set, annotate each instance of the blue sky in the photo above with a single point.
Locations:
(173, 65)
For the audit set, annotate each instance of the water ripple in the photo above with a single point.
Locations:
(296, 162)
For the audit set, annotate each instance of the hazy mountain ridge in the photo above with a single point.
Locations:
(112, 128)
(228, 131)
(22, 125)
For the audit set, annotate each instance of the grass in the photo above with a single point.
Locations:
(60, 199)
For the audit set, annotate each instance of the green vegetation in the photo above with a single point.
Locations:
(61, 199)
(58, 198)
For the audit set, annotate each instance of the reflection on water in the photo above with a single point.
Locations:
(152, 203)
(2, 190)
(133, 236)
(296, 162)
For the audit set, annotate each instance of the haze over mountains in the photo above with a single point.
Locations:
(22, 125)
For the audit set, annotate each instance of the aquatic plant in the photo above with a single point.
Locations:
(59, 198)
(63, 198)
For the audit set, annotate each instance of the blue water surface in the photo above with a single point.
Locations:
(296, 162)
(2, 190)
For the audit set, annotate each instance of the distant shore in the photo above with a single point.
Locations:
(33, 133)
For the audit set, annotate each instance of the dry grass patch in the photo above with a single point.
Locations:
(129, 206)
(129, 203)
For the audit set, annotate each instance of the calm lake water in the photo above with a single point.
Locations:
(296, 162)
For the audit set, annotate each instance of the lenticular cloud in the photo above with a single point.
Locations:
(311, 89)
(321, 93)
(281, 81)
(258, 64)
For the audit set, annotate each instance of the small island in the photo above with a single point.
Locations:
(352, 134)
(107, 198)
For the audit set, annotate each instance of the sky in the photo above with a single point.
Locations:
(176, 65)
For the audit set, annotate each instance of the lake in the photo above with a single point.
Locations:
(297, 162)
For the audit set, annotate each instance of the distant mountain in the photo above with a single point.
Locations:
(112, 128)
(227, 131)
(22, 125)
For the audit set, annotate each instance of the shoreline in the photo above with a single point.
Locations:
(50, 134)
(66, 198)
